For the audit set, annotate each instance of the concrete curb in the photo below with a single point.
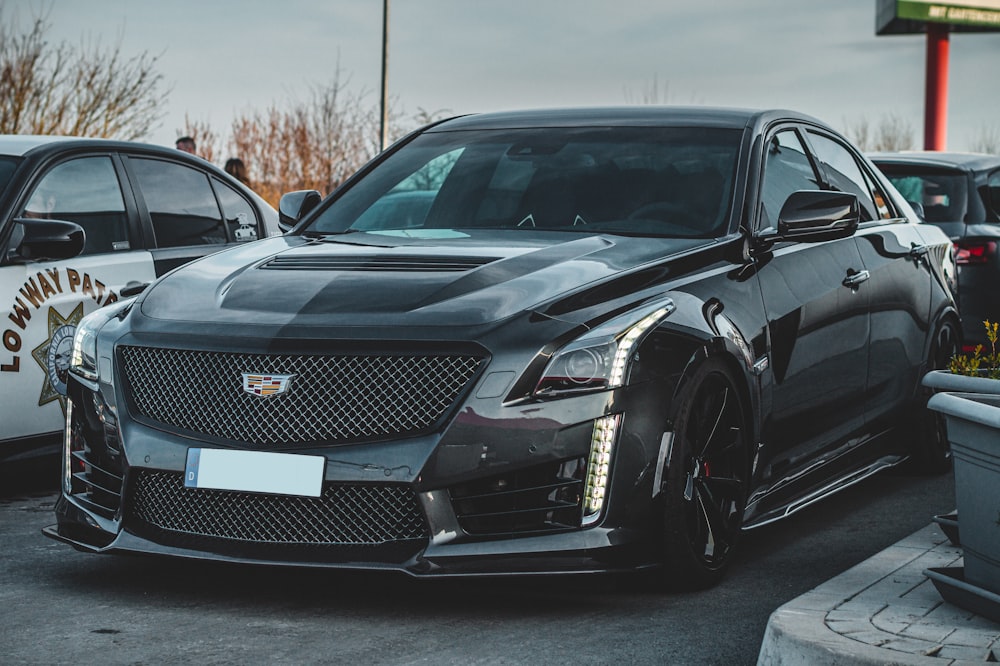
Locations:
(882, 611)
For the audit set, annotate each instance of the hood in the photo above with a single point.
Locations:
(367, 279)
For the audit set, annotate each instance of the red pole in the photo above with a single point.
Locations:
(936, 97)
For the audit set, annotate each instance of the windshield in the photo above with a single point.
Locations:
(626, 180)
(941, 193)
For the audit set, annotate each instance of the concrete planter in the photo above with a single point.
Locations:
(944, 380)
(974, 435)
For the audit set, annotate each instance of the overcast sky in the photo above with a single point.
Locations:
(223, 57)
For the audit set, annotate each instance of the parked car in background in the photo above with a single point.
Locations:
(584, 340)
(960, 193)
(82, 223)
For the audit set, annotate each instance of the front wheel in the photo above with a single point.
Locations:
(707, 480)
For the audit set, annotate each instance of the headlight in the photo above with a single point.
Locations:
(598, 359)
(83, 362)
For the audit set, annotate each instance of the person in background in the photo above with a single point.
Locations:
(235, 168)
(186, 143)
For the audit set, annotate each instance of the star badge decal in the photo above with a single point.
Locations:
(53, 355)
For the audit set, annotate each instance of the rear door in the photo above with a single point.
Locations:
(188, 212)
(895, 257)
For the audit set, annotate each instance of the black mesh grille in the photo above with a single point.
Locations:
(330, 398)
(343, 515)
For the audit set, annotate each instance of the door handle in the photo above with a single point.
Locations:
(855, 278)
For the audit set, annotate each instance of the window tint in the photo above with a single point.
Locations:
(844, 174)
(8, 165)
(85, 191)
(627, 180)
(239, 213)
(786, 170)
(941, 194)
(181, 203)
(994, 192)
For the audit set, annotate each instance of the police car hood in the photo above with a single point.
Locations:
(366, 279)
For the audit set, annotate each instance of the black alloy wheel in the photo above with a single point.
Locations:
(927, 434)
(707, 480)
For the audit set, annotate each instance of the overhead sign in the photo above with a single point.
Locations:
(895, 17)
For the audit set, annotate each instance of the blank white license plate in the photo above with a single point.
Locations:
(254, 471)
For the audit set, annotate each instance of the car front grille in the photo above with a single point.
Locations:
(344, 515)
(330, 399)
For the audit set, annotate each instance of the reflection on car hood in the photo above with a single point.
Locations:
(368, 279)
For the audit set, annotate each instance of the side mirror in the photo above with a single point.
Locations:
(811, 216)
(48, 239)
(293, 206)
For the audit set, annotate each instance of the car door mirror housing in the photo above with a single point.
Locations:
(812, 216)
(48, 239)
(293, 206)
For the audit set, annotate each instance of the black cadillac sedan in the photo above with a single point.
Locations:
(556, 341)
(959, 192)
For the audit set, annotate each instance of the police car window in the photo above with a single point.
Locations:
(181, 204)
(8, 165)
(844, 174)
(787, 169)
(85, 191)
(239, 214)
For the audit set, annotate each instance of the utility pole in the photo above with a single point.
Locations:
(384, 128)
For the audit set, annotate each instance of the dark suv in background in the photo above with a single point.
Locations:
(959, 192)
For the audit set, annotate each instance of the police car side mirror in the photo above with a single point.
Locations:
(36, 239)
(293, 206)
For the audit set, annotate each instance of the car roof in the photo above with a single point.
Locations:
(645, 115)
(971, 161)
(19, 145)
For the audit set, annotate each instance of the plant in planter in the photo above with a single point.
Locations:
(972, 411)
(970, 373)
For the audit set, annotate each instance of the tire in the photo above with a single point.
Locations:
(707, 480)
(927, 434)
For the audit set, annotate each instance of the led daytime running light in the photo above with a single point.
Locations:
(628, 341)
(599, 465)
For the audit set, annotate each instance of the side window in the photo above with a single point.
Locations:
(844, 174)
(787, 169)
(994, 193)
(181, 203)
(239, 214)
(86, 191)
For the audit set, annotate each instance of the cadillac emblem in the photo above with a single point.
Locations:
(266, 385)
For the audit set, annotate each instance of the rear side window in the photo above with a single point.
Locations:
(241, 219)
(994, 193)
(181, 203)
(86, 191)
(940, 193)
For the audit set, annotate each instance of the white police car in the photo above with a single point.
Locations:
(142, 210)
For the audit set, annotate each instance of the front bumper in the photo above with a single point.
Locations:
(493, 465)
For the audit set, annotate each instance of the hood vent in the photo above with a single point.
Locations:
(393, 263)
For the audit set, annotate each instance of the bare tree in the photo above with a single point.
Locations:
(88, 90)
(206, 141)
(987, 140)
(313, 145)
(894, 132)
